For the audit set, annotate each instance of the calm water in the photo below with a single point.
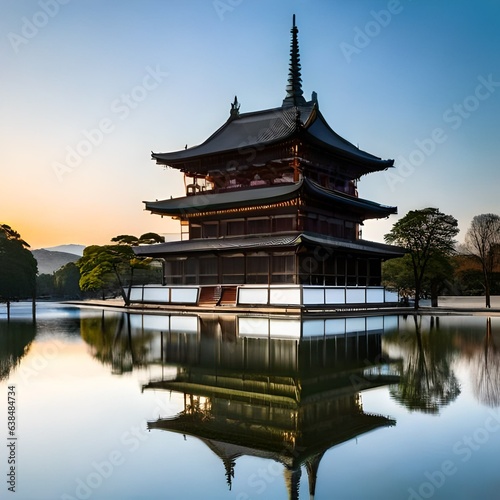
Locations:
(115, 406)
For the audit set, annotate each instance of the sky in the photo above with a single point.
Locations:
(91, 87)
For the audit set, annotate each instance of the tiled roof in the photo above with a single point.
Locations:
(246, 130)
(204, 202)
(266, 127)
(209, 245)
(219, 201)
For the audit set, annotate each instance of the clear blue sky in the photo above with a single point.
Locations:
(416, 81)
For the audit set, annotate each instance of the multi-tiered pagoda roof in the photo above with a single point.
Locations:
(264, 192)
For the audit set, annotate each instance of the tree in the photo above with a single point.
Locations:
(113, 266)
(45, 285)
(438, 276)
(66, 281)
(398, 274)
(18, 267)
(468, 274)
(426, 234)
(482, 242)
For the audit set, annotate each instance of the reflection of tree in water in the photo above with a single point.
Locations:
(15, 341)
(427, 381)
(485, 362)
(111, 341)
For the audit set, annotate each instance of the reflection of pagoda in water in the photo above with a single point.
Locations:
(283, 399)
(272, 387)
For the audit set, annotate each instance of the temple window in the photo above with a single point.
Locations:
(257, 268)
(194, 231)
(362, 272)
(283, 268)
(375, 272)
(174, 271)
(235, 227)
(258, 225)
(233, 269)
(336, 228)
(284, 223)
(191, 271)
(210, 229)
(208, 270)
(351, 272)
(350, 230)
(340, 271)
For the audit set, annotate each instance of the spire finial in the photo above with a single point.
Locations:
(235, 108)
(294, 94)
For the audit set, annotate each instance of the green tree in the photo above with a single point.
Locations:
(113, 266)
(45, 285)
(438, 276)
(397, 274)
(18, 267)
(66, 281)
(482, 242)
(426, 234)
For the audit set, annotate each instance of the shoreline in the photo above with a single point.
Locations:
(444, 310)
(450, 306)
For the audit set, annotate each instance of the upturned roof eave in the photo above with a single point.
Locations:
(189, 154)
(240, 150)
(220, 201)
(358, 155)
(370, 209)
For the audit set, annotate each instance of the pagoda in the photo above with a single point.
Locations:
(271, 213)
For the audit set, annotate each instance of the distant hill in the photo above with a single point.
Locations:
(76, 249)
(50, 261)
